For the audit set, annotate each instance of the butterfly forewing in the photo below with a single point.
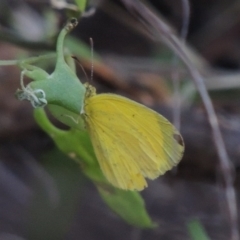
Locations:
(131, 141)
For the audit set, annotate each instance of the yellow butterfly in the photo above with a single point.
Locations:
(131, 141)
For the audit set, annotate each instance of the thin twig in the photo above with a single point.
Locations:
(162, 31)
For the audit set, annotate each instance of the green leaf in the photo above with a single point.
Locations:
(197, 231)
(77, 145)
(128, 205)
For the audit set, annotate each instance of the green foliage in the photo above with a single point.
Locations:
(77, 145)
(63, 94)
(57, 88)
(53, 207)
(129, 205)
(81, 4)
(197, 231)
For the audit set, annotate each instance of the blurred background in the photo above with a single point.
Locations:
(43, 195)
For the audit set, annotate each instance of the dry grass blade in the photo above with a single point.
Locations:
(175, 73)
(161, 31)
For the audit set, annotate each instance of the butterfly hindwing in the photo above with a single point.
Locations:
(131, 141)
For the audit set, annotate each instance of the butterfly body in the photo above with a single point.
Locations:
(131, 141)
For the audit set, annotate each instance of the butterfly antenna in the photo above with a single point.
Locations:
(91, 43)
(77, 60)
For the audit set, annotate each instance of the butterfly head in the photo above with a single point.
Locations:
(90, 90)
